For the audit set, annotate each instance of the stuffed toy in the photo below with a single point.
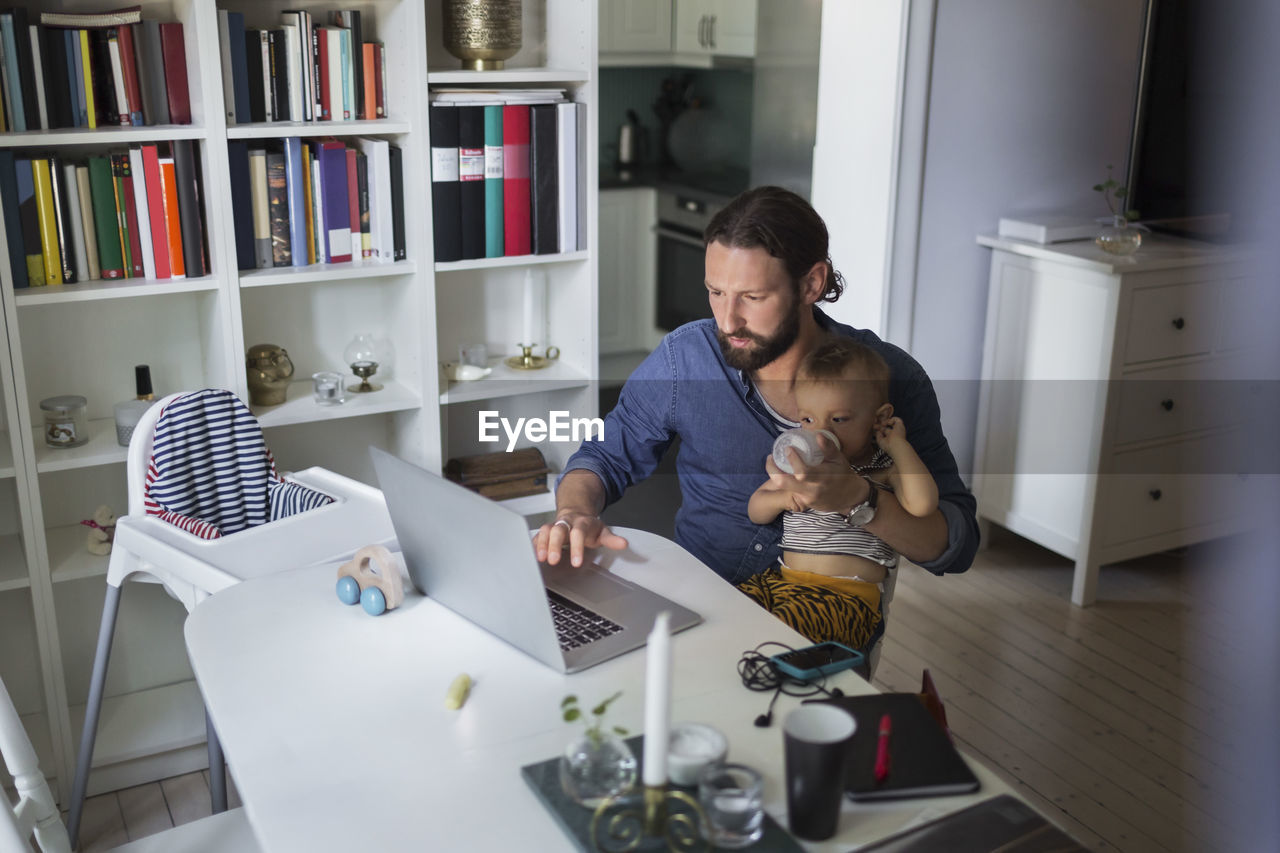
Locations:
(102, 529)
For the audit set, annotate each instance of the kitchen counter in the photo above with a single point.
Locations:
(726, 184)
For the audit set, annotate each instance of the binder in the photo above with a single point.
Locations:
(29, 216)
(59, 90)
(516, 233)
(253, 74)
(13, 87)
(297, 207)
(185, 168)
(104, 89)
(241, 201)
(567, 124)
(155, 211)
(106, 224)
(75, 219)
(173, 49)
(48, 219)
(543, 179)
(397, 203)
(239, 67)
(471, 179)
(278, 210)
(493, 181)
(261, 208)
(12, 221)
(151, 71)
(446, 200)
(337, 216)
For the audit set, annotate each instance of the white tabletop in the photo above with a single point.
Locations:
(335, 728)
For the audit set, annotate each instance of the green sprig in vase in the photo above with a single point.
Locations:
(1120, 237)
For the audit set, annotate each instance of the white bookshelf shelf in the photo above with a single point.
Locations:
(508, 76)
(134, 725)
(68, 558)
(300, 407)
(101, 449)
(121, 288)
(508, 382)
(277, 129)
(101, 136)
(511, 261)
(533, 504)
(13, 563)
(324, 272)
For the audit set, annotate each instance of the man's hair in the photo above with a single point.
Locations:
(784, 225)
(837, 358)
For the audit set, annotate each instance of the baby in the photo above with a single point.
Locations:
(827, 583)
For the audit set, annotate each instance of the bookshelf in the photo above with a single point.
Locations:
(84, 339)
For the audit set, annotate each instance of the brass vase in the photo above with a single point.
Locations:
(482, 33)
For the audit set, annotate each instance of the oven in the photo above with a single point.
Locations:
(683, 214)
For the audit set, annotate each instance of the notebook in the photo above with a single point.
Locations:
(923, 761)
(475, 557)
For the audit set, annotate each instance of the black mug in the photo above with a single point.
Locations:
(816, 747)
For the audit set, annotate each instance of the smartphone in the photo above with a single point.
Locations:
(813, 662)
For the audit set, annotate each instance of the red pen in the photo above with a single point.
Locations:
(882, 749)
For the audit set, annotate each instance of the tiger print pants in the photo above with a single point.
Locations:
(819, 606)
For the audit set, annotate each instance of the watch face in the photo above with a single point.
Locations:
(861, 514)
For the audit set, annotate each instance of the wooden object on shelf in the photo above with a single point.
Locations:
(501, 475)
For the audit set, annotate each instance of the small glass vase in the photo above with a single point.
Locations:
(1119, 238)
(592, 769)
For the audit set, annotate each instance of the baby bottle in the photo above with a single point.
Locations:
(805, 444)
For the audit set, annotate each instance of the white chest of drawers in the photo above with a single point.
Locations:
(1121, 397)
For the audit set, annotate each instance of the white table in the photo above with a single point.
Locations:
(335, 729)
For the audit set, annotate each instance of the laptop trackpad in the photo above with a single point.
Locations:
(584, 584)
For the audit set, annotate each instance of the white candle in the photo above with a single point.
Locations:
(657, 701)
(527, 337)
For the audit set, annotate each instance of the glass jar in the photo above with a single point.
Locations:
(1119, 238)
(66, 422)
(595, 768)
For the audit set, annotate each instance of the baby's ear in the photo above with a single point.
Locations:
(884, 413)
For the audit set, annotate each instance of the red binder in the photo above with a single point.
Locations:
(515, 179)
(174, 50)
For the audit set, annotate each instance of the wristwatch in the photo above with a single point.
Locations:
(863, 513)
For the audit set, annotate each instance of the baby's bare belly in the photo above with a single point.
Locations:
(836, 565)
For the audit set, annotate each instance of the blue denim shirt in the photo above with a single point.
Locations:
(685, 388)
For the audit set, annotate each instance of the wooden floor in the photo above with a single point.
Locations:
(1101, 717)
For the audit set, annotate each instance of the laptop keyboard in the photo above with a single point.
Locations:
(576, 625)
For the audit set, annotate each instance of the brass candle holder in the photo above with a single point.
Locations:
(528, 361)
(661, 818)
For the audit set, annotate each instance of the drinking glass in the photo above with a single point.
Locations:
(732, 797)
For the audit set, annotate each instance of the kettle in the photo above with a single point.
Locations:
(630, 140)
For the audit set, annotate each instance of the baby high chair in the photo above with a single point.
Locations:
(207, 509)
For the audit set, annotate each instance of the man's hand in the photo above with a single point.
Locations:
(831, 485)
(576, 531)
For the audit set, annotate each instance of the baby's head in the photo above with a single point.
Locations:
(843, 386)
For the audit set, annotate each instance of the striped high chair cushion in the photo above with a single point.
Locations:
(211, 473)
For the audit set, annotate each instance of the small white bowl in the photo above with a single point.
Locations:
(692, 747)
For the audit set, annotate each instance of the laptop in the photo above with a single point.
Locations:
(476, 558)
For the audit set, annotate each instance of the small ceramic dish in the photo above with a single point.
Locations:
(692, 747)
(465, 372)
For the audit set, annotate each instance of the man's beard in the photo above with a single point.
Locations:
(766, 350)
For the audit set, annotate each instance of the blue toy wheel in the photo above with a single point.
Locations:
(348, 590)
(373, 601)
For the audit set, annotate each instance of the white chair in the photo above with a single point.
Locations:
(36, 816)
(159, 543)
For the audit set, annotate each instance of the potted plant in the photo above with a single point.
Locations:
(598, 764)
(1120, 237)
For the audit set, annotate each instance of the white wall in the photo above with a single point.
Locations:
(1027, 104)
(854, 153)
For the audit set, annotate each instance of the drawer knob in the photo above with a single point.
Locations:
(1178, 323)
(1167, 405)
(1156, 494)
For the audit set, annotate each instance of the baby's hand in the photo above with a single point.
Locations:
(890, 434)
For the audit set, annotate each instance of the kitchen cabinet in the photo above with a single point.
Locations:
(635, 26)
(716, 27)
(627, 270)
(1118, 398)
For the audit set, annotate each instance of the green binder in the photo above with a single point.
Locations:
(106, 223)
(493, 245)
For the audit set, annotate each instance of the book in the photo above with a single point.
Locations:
(261, 207)
(12, 221)
(278, 210)
(241, 200)
(129, 201)
(14, 106)
(264, 59)
(567, 130)
(155, 210)
(317, 208)
(76, 221)
(924, 762)
(347, 74)
(48, 219)
(353, 206)
(308, 203)
(362, 189)
(350, 20)
(26, 66)
(471, 179)
(6, 107)
(369, 78)
(121, 98)
(336, 210)
(543, 179)
(516, 234)
(333, 54)
(295, 181)
(293, 71)
(106, 224)
(1048, 228)
(304, 60)
(320, 50)
(62, 217)
(493, 181)
(146, 42)
(253, 74)
(87, 223)
(88, 20)
(278, 57)
(129, 68)
(1002, 824)
(104, 89)
(399, 249)
(379, 80)
(122, 221)
(186, 168)
(239, 67)
(173, 49)
(88, 88)
(28, 215)
(80, 109)
(172, 215)
(446, 199)
(38, 74)
(142, 217)
(59, 91)
(378, 156)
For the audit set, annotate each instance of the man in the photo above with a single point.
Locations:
(726, 388)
